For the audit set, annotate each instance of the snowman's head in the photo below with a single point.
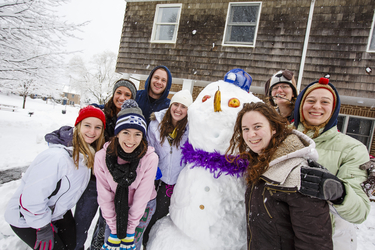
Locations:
(209, 130)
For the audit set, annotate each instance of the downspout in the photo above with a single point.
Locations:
(305, 45)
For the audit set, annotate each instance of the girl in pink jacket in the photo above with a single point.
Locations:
(125, 170)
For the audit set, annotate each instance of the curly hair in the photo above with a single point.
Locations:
(258, 163)
(166, 127)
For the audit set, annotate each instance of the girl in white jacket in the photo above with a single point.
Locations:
(39, 211)
(168, 131)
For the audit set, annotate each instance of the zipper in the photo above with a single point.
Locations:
(264, 203)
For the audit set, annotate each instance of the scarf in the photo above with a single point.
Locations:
(124, 175)
(214, 162)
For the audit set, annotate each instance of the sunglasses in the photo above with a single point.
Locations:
(287, 74)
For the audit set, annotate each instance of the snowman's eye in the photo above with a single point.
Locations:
(234, 103)
(205, 98)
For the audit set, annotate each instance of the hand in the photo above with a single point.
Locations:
(45, 237)
(318, 182)
(128, 242)
(113, 243)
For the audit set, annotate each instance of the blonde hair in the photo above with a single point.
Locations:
(80, 146)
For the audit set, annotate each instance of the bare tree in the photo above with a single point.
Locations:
(97, 78)
(32, 41)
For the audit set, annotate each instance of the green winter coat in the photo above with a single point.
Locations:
(342, 155)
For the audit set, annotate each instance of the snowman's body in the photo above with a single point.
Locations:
(207, 212)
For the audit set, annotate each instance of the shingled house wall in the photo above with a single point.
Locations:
(337, 44)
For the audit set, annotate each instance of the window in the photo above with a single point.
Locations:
(360, 128)
(66, 94)
(72, 95)
(166, 21)
(242, 24)
(371, 38)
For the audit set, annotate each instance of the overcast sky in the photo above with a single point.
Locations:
(104, 30)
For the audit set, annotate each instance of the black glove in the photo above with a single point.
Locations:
(45, 237)
(318, 182)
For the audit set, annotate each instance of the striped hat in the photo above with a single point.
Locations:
(130, 116)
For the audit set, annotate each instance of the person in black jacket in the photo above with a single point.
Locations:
(155, 95)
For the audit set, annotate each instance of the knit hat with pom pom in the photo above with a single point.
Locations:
(130, 116)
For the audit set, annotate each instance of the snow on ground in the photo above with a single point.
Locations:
(22, 138)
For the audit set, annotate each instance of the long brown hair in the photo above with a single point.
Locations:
(110, 109)
(114, 143)
(166, 127)
(258, 163)
(80, 146)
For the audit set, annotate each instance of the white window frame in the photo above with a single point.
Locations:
(156, 24)
(371, 35)
(345, 127)
(239, 44)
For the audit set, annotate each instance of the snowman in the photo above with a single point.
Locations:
(207, 208)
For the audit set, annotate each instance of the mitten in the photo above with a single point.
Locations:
(128, 242)
(158, 174)
(369, 185)
(45, 237)
(113, 243)
(318, 182)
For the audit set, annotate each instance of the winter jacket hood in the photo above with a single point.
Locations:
(284, 168)
(63, 136)
(143, 99)
(333, 120)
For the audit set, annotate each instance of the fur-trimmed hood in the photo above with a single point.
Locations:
(284, 168)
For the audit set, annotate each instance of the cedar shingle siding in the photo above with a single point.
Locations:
(337, 45)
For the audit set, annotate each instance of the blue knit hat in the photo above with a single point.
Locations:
(130, 116)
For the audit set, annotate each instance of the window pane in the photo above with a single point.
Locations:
(241, 33)
(340, 123)
(244, 13)
(359, 126)
(164, 32)
(168, 15)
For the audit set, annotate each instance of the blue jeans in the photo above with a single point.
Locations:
(143, 223)
(86, 209)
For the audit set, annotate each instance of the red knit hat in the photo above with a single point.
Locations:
(90, 111)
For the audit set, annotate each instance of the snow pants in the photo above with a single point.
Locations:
(86, 209)
(65, 238)
(163, 200)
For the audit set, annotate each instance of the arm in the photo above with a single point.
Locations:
(105, 194)
(356, 205)
(41, 180)
(142, 193)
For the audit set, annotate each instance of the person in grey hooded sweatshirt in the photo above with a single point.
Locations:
(40, 210)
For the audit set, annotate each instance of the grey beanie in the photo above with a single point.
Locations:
(125, 83)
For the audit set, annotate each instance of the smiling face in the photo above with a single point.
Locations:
(256, 131)
(121, 94)
(129, 139)
(91, 128)
(178, 112)
(158, 83)
(318, 107)
(280, 92)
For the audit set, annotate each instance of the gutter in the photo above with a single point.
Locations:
(305, 45)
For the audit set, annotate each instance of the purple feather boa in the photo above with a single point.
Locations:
(214, 162)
